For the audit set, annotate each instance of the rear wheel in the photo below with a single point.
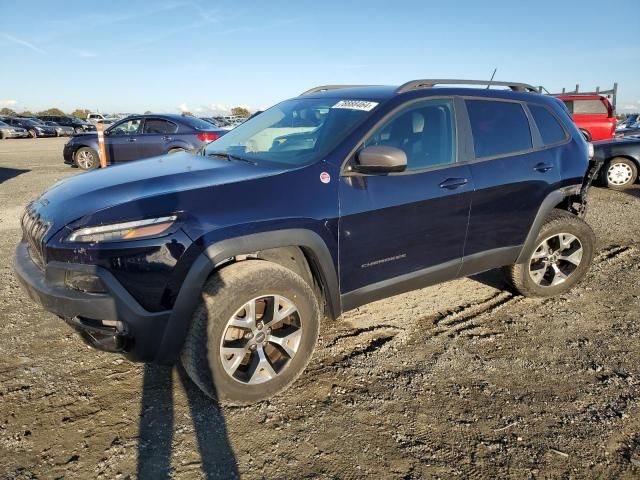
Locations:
(33, 133)
(586, 135)
(619, 173)
(253, 333)
(87, 158)
(562, 255)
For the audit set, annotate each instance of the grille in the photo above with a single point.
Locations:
(33, 230)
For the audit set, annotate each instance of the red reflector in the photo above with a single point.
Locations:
(208, 137)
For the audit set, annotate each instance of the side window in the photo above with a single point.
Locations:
(130, 127)
(159, 126)
(499, 128)
(589, 107)
(426, 132)
(550, 129)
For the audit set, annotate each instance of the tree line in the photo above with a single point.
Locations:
(83, 113)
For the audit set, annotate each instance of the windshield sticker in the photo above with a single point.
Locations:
(356, 105)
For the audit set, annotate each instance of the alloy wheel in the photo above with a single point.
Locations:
(555, 259)
(261, 339)
(84, 159)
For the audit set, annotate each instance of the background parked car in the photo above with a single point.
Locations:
(9, 131)
(78, 125)
(621, 158)
(141, 136)
(100, 118)
(593, 115)
(628, 121)
(629, 130)
(34, 128)
(61, 130)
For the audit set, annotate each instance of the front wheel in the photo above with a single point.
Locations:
(562, 256)
(252, 334)
(87, 158)
(619, 173)
(33, 133)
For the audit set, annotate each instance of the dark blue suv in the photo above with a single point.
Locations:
(228, 260)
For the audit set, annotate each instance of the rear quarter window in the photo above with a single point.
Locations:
(548, 125)
(196, 123)
(498, 128)
(586, 107)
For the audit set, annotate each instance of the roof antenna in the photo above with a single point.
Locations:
(491, 80)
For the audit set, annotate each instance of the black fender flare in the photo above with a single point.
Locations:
(548, 204)
(217, 253)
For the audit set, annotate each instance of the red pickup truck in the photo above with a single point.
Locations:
(593, 115)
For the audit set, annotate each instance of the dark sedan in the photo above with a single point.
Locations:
(141, 136)
(78, 125)
(35, 128)
(621, 158)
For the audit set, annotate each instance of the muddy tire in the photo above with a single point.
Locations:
(252, 334)
(87, 158)
(619, 173)
(561, 257)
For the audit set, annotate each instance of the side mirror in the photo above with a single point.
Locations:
(380, 159)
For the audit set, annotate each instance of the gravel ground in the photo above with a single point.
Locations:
(461, 379)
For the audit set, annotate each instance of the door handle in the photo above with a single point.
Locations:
(453, 183)
(167, 138)
(132, 139)
(543, 167)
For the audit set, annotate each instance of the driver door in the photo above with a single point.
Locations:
(121, 141)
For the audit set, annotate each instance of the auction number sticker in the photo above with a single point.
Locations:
(325, 177)
(356, 105)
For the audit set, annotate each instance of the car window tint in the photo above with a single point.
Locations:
(550, 129)
(196, 123)
(159, 126)
(130, 127)
(425, 131)
(498, 128)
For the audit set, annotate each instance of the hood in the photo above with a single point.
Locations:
(86, 194)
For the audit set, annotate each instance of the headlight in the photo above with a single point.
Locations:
(118, 232)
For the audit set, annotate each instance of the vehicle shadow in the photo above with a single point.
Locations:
(493, 278)
(9, 173)
(157, 426)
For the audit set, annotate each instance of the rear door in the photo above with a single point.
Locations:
(157, 134)
(122, 140)
(513, 173)
(403, 230)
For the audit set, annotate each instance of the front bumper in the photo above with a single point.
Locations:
(111, 321)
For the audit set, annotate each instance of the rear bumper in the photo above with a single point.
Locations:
(111, 321)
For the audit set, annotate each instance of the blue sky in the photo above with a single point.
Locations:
(168, 55)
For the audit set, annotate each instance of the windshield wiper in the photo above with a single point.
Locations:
(230, 157)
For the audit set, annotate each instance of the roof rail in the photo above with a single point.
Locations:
(324, 88)
(429, 83)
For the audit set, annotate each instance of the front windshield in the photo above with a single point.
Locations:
(295, 132)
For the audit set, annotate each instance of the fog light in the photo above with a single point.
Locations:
(84, 282)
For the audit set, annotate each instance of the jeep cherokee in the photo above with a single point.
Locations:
(228, 259)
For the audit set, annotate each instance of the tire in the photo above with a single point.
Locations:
(1, 135)
(541, 275)
(224, 298)
(619, 173)
(586, 135)
(33, 134)
(86, 158)
(176, 150)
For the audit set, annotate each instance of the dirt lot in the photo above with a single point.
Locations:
(463, 379)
